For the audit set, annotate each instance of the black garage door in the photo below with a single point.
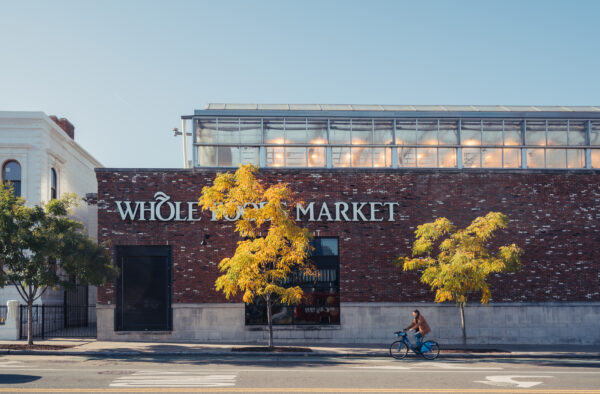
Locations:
(143, 288)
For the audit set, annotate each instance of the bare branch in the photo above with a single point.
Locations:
(41, 293)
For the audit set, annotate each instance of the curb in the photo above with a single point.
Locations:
(507, 355)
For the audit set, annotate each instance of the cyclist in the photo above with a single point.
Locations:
(419, 325)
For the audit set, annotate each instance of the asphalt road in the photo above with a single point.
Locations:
(296, 374)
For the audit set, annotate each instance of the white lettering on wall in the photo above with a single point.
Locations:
(164, 210)
(310, 210)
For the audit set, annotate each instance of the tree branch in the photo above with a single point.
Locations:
(20, 290)
(41, 293)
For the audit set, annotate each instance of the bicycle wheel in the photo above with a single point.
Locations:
(433, 352)
(398, 350)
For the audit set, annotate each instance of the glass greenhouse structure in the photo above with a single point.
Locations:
(352, 136)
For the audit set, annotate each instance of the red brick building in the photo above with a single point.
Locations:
(368, 177)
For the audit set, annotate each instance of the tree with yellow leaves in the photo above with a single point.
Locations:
(463, 261)
(262, 265)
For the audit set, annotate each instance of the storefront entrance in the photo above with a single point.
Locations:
(143, 288)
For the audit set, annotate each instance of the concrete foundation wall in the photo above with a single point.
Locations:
(501, 323)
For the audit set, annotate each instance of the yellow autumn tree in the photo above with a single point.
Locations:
(456, 262)
(262, 264)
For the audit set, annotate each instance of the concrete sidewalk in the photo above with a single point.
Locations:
(97, 348)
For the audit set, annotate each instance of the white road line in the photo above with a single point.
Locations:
(174, 379)
(429, 366)
(393, 367)
(443, 365)
(11, 364)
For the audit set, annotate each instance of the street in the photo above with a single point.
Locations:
(23, 373)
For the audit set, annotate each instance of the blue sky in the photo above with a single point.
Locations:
(125, 71)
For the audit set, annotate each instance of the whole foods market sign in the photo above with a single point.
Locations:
(164, 210)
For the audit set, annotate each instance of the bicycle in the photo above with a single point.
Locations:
(430, 350)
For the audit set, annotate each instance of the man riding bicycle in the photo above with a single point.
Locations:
(419, 325)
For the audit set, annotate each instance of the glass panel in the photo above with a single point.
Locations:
(325, 247)
(316, 157)
(295, 131)
(576, 158)
(595, 133)
(535, 132)
(470, 133)
(250, 132)
(12, 171)
(406, 132)
(556, 158)
(382, 157)
(207, 156)
(427, 132)
(228, 156)
(339, 131)
(512, 133)
(471, 158)
(492, 132)
(317, 131)
(362, 132)
(557, 132)
(320, 303)
(275, 156)
(295, 157)
(407, 157)
(447, 157)
(512, 158)
(250, 155)
(228, 131)
(491, 157)
(535, 158)
(577, 133)
(383, 133)
(206, 131)
(595, 158)
(273, 130)
(282, 314)
(53, 184)
(362, 157)
(340, 157)
(427, 157)
(448, 133)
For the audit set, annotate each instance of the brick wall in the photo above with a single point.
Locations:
(554, 218)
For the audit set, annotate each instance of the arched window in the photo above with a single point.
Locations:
(11, 172)
(53, 184)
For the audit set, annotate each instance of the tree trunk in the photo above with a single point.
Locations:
(30, 322)
(462, 323)
(270, 321)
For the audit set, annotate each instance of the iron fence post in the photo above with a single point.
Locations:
(20, 321)
(43, 322)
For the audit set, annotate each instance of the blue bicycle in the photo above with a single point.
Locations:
(399, 349)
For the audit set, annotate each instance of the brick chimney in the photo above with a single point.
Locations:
(64, 124)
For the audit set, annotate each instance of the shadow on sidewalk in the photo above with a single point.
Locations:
(203, 355)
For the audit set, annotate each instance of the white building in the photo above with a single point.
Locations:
(39, 155)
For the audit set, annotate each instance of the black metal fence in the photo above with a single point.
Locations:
(59, 321)
(3, 312)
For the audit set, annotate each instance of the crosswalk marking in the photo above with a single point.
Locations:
(11, 364)
(174, 379)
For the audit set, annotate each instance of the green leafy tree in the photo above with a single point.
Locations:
(41, 246)
(262, 264)
(456, 262)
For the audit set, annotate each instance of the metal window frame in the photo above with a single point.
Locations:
(395, 147)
